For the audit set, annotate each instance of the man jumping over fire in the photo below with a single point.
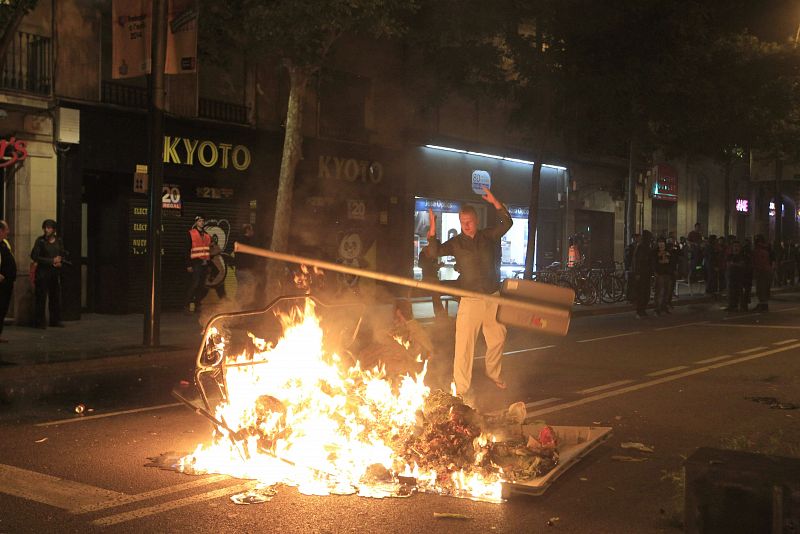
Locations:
(476, 253)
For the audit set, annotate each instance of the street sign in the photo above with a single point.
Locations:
(480, 179)
(140, 179)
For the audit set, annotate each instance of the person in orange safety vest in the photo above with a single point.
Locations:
(199, 246)
(574, 256)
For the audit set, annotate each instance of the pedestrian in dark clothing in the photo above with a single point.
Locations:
(736, 266)
(8, 273)
(642, 268)
(628, 264)
(711, 261)
(664, 267)
(747, 275)
(48, 254)
(763, 261)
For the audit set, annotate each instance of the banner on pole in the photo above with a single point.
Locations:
(181, 37)
(130, 33)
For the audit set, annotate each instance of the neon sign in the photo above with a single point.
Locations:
(742, 205)
(18, 151)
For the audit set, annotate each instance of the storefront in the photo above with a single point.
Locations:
(226, 174)
(348, 205)
(441, 179)
(665, 200)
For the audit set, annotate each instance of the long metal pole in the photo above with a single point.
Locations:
(155, 165)
(563, 311)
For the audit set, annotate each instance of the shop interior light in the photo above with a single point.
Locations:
(492, 156)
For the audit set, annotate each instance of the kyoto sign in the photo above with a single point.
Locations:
(11, 151)
(185, 151)
(350, 170)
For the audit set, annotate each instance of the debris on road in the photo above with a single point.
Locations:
(79, 409)
(774, 403)
(257, 495)
(641, 447)
(41, 440)
(620, 458)
(552, 521)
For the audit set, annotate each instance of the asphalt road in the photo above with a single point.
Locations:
(674, 383)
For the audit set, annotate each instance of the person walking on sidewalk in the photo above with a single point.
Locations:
(664, 266)
(48, 254)
(736, 267)
(763, 261)
(476, 252)
(642, 267)
(199, 254)
(8, 273)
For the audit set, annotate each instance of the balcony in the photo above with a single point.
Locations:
(130, 96)
(222, 111)
(28, 65)
(121, 94)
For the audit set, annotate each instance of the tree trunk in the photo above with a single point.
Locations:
(21, 8)
(533, 216)
(292, 153)
(727, 223)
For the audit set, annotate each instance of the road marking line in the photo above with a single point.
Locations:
(541, 402)
(50, 490)
(755, 326)
(526, 350)
(604, 386)
(787, 309)
(715, 359)
(680, 325)
(657, 381)
(110, 414)
(609, 337)
(171, 505)
(668, 371)
(126, 499)
(748, 351)
(785, 341)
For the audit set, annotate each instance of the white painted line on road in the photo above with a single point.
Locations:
(748, 351)
(680, 325)
(534, 404)
(527, 350)
(755, 326)
(127, 499)
(668, 371)
(604, 386)
(609, 337)
(171, 505)
(785, 341)
(715, 359)
(657, 381)
(50, 490)
(109, 414)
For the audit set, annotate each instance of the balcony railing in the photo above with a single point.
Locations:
(121, 94)
(222, 111)
(28, 64)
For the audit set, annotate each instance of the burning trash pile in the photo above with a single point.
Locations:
(293, 413)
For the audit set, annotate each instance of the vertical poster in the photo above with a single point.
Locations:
(130, 35)
(181, 37)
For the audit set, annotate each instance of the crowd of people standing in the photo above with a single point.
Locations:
(725, 264)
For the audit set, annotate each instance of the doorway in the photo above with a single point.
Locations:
(597, 228)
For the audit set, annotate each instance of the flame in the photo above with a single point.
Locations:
(294, 414)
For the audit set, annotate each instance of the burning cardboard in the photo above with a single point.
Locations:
(292, 412)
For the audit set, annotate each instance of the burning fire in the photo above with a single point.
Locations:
(296, 414)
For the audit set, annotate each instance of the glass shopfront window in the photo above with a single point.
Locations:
(514, 244)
